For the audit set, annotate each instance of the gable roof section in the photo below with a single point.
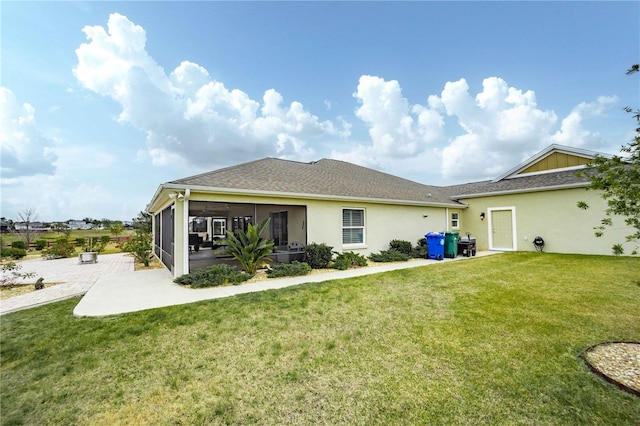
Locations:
(563, 179)
(325, 178)
(552, 159)
(553, 168)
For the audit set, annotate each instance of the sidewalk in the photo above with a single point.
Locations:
(111, 286)
(141, 290)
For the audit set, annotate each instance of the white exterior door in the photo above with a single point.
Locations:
(502, 228)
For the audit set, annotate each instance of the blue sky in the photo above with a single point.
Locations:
(101, 102)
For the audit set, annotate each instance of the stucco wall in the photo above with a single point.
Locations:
(383, 223)
(554, 216)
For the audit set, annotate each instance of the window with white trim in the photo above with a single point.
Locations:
(455, 220)
(352, 226)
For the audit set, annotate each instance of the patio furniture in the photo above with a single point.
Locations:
(88, 257)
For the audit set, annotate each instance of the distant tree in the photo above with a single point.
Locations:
(27, 217)
(60, 228)
(116, 228)
(142, 222)
(618, 178)
(10, 224)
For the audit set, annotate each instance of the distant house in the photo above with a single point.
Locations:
(79, 224)
(353, 208)
(32, 226)
(4, 227)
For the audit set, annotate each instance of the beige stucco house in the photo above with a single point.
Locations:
(353, 208)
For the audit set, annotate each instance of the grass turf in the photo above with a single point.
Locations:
(493, 340)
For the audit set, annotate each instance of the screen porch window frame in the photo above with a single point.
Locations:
(353, 227)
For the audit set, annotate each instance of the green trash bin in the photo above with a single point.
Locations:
(451, 244)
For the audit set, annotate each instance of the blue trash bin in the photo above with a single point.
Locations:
(435, 245)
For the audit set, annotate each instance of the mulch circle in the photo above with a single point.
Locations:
(616, 362)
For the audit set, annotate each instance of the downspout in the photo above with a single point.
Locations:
(446, 219)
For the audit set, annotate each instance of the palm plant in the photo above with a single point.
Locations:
(249, 248)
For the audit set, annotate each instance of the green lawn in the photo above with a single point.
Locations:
(492, 340)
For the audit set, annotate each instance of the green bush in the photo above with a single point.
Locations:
(40, 244)
(14, 253)
(80, 242)
(401, 246)
(62, 248)
(420, 250)
(292, 269)
(348, 260)
(18, 245)
(249, 248)
(213, 276)
(388, 256)
(105, 239)
(318, 256)
(96, 244)
(139, 246)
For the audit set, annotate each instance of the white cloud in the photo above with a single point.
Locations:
(25, 151)
(572, 131)
(192, 119)
(501, 124)
(396, 128)
(187, 113)
(496, 129)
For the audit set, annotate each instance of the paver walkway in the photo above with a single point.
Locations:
(77, 278)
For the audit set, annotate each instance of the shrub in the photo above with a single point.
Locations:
(62, 248)
(401, 246)
(388, 256)
(18, 245)
(214, 276)
(348, 260)
(10, 274)
(139, 246)
(420, 250)
(40, 244)
(249, 248)
(96, 244)
(81, 242)
(14, 253)
(318, 256)
(292, 269)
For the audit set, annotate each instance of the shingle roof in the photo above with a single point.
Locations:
(549, 180)
(324, 177)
